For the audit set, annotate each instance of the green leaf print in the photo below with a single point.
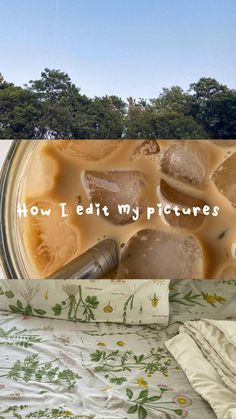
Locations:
(60, 413)
(118, 381)
(16, 337)
(57, 309)
(143, 404)
(188, 299)
(78, 308)
(133, 409)
(143, 393)
(8, 293)
(129, 393)
(144, 332)
(39, 311)
(19, 413)
(92, 301)
(129, 302)
(113, 364)
(154, 398)
(32, 370)
(27, 311)
(13, 411)
(20, 305)
(142, 413)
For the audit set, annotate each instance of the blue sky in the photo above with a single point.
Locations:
(122, 47)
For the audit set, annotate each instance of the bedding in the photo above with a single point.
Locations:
(52, 368)
(209, 362)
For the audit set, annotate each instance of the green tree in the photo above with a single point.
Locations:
(140, 121)
(171, 125)
(61, 104)
(174, 99)
(206, 88)
(53, 107)
(223, 110)
(19, 111)
(3, 82)
(53, 85)
(174, 118)
(107, 116)
(214, 107)
(165, 117)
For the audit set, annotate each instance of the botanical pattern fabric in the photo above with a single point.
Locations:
(120, 301)
(53, 368)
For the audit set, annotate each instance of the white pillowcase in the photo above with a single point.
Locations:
(119, 301)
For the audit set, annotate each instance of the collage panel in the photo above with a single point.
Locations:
(77, 349)
(118, 285)
(122, 209)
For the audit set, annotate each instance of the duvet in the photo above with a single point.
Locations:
(209, 362)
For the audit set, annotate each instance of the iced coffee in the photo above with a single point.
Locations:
(169, 204)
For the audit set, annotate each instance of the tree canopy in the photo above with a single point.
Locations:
(53, 107)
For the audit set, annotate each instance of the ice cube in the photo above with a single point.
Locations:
(177, 197)
(41, 175)
(54, 242)
(93, 150)
(146, 148)
(224, 178)
(225, 143)
(115, 188)
(174, 196)
(186, 161)
(187, 222)
(154, 254)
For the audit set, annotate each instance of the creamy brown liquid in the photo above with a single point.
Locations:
(55, 176)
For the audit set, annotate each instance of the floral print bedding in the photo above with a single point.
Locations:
(52, 368)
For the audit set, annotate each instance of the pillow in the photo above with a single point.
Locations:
(118, 301)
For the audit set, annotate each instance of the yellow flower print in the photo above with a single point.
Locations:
(101, 344)
(108, 309)
(155, 301)
(212, 299)
(46, 296)
(120, 343)
(142, 383)
(182, 401)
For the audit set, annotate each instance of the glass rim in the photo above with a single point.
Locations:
(10, 256)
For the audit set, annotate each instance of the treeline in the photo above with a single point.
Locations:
(53, 107)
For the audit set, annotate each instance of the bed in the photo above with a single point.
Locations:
(53, 368)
